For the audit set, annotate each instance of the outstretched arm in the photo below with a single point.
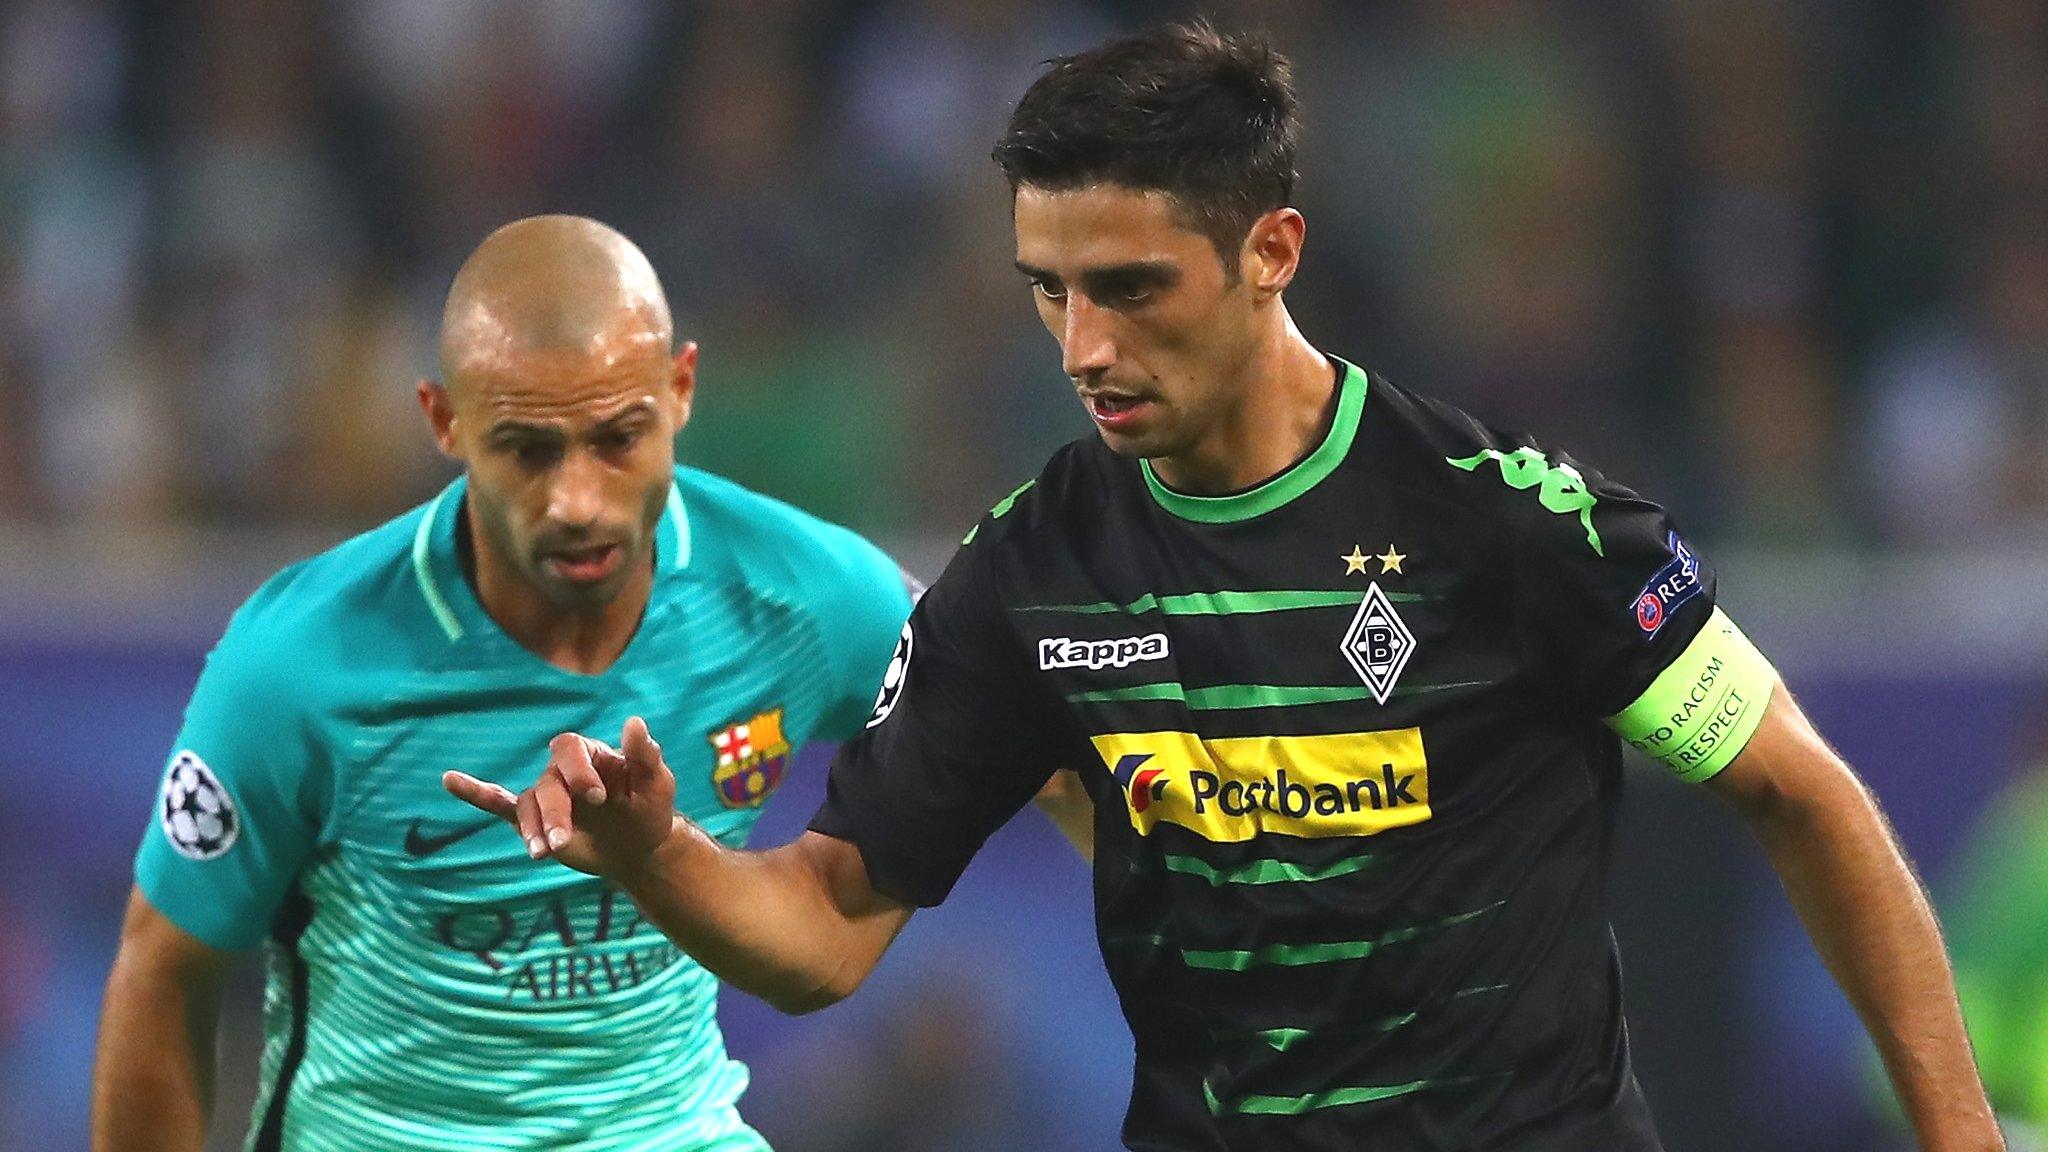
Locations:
(799, 926)
(1868, 916)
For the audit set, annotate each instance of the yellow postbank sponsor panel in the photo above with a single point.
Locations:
(1232, 789)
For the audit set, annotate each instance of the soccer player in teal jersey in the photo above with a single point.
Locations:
(429, 987)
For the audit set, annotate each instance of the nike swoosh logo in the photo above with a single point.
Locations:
(418, 845)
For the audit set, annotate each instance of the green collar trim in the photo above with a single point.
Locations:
(438, 570)
(423, 566)
(1285, 487)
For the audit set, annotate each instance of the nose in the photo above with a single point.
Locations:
(1087, 347)
(576, 491)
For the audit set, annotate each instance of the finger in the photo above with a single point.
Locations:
(607, 759)
(551, 798)
(642, 754)
(611, 766)
(482, 794)
(529, 825)
(569, 758)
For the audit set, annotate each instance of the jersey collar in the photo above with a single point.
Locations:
(1286, 486)
(437, 564)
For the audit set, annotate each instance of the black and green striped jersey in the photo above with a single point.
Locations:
(1350, 738)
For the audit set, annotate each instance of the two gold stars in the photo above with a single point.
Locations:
(1390, 561)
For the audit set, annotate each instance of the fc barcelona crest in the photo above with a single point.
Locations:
(751, 758)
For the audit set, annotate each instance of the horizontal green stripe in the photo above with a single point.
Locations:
(1265, 871)
(1296, 955)
(1281, 1039)
(1224, 697)
(1165, 690)
(1296, 1105)
(1228, 697)
(1226, 603)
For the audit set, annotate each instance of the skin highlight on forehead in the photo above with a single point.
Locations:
(560, 291)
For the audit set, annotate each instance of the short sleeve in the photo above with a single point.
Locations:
(958, 740)
(1623, 611)
(240, 806)
(860, 613)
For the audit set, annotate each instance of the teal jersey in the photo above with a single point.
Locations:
(430, 987)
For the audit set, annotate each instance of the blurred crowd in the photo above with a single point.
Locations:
(1783, 263)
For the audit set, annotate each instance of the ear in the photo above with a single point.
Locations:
(1272, 251)
(683, 382)
(440, 412)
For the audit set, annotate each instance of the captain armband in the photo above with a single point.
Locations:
(1700, 712)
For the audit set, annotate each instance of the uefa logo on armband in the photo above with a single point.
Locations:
(198, 817)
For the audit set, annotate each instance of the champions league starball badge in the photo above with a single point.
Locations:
(197, 816)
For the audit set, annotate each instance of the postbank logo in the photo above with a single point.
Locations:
(1233, 789)
(751, 758)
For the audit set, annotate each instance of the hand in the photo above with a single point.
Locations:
(594, 808)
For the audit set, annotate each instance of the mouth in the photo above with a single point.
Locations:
(585, 564)
(1116, 411)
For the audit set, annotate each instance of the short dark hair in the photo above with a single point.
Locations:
(1208, 118)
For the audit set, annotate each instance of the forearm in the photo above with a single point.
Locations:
(783, 924)
(1064, 800)
(1872, 924)
(153, 1075)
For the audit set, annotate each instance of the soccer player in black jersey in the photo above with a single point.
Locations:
(1346, 673)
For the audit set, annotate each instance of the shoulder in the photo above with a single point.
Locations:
(1069, 491)
(778, 551)
(1505, 480)
(358, 595)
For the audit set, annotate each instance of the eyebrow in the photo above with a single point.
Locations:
(507, 429)
(1133, 272)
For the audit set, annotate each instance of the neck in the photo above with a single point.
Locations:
(587, 642)
(1282, 395)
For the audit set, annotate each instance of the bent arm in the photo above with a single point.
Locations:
(152, 1083)
(1868, 916)
(799, 926)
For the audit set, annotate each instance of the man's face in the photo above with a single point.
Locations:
(570, 457)
(1150, 329)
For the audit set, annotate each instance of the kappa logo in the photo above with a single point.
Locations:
(1094, 655)
(1378, 643)
(1560, 488)
(1674, 584)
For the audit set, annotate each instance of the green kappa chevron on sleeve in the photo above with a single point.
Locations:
(1561, 488)
(1001, 510)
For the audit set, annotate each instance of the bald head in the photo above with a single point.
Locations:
(556, 286)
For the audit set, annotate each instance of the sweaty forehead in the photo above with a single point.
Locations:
(1100, 225)
(535, 385)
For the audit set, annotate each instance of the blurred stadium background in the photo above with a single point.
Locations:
(1781, 263)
